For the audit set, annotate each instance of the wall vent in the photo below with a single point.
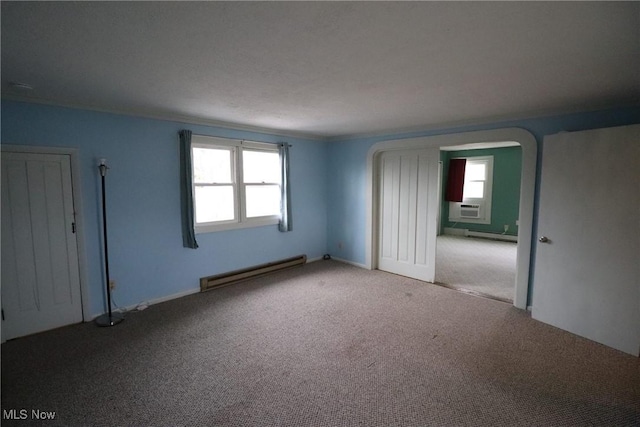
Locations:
(225, 279)
(469, 211)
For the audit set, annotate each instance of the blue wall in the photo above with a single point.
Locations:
(146, 256)
(145, 244)
(348, 167)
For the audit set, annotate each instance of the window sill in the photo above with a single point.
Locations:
(211, 228)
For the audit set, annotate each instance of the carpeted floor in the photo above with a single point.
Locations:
(326, 344)
(486, 267)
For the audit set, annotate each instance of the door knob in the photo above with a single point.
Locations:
(543, 239)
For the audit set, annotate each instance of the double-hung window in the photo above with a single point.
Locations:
(236, 184)
(476, 198)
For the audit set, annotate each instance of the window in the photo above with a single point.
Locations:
(476, 198)
(236, 184)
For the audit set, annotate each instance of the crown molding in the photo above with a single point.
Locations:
(172, 118)
(460, 125)
(396, 133)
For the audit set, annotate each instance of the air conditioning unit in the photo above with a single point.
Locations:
(469, 211)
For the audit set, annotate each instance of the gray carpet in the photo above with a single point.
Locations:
(487, 267)
(326, 344)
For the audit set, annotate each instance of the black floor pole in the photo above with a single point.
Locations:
(109, 319)
(106, 245)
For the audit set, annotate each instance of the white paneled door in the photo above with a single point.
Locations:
(587, 270)
(40, 276)
(408, 213)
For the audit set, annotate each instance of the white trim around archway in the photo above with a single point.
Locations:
(527, 191)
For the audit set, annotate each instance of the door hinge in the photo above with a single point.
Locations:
(3, 314)
(73, 227)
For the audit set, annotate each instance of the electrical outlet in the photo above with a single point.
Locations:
(112, 284)
(339, 245)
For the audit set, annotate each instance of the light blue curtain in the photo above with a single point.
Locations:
(186, 191)
(285, 190)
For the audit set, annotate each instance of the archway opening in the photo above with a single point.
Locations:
(527, 189)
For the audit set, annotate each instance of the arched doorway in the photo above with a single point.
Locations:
(527, 190)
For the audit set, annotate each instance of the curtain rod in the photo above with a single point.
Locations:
(244, 140)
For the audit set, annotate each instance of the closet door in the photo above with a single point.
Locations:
(408, 213)
(40, 276)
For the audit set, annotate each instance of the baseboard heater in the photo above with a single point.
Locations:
(494, 236)
(225, 279)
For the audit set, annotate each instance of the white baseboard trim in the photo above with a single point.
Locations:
(355, 264)
(314, 259)
(151, 302)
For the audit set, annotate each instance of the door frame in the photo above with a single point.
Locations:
(527, 192)
(74, 156)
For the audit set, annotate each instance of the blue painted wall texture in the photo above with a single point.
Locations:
(146, 256)
(348, 167)
(145, 244)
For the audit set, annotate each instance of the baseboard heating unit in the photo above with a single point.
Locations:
(225, 279)
(468, 233)
(493, 236)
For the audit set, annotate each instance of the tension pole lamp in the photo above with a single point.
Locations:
(109, 318)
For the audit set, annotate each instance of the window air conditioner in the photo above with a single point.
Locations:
(469, 211)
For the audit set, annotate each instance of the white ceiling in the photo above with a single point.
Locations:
(324, 69)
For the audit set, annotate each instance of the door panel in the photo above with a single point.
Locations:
(40, 276)
(587, 274)
(408, 209)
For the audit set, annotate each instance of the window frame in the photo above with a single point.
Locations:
(237, 171)
(485, 202)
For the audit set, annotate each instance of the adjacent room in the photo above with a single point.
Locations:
(477, 241)
(320, 213)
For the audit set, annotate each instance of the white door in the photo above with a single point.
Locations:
(587, 277)
(408, 211)
(40, 277)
